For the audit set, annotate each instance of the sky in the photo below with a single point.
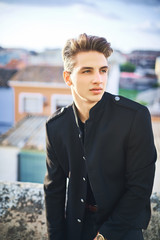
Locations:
(40, 24)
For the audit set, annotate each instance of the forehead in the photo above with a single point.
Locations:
(90, 59)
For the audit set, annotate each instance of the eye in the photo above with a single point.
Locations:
(86, 71)
(104, 70)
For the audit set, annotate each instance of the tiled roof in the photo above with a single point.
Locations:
(29, 133)
(15, 64)
(5, 75)
(51, 74)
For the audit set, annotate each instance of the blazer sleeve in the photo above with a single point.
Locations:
(54, 193)
(140, 169)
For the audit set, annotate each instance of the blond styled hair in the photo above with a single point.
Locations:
(83, 43)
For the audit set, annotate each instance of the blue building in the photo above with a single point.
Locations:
(6, 100)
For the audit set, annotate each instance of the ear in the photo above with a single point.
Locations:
(67, 79)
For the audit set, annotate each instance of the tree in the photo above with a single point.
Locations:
(127, 67)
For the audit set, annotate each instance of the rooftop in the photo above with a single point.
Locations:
(49, 74)
(5, 75)
(29, 133)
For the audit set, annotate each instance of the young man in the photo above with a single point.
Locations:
(104, 145)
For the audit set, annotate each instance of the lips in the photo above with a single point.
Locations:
(96, 90)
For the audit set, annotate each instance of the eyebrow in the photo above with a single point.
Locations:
(84, 68)
(104, 67)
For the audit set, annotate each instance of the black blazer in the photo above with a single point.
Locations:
(119, 155)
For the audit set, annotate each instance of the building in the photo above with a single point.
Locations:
(52, 57)
(157, 69)
(136, 81)
(6, 100)
(151, 98)
(9, 54)
(39, 90)
(143, 58)
(22, 151)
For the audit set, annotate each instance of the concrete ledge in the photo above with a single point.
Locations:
(22, 214)
(153, 230)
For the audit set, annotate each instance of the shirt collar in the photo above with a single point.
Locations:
(94, 111)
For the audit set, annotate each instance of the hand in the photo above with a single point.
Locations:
(99, 237)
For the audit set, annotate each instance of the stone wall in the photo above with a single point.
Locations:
(22, 215)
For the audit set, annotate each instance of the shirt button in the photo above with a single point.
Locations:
(117, 98)
(84, 158)
(79, 220)
(84, 179)
(82, 200)
(79, 135)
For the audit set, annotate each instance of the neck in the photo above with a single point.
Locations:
(83, 112)
(83, 108)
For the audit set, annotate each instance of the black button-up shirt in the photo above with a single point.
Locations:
(90, 197)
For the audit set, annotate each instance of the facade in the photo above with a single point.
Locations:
(6, 100)
(39, 90)
(143, 58)
(6, 109)
(137, 81)
(47, 57)
(152, 99)
(8, 163)
(157, 69)
(8, 55)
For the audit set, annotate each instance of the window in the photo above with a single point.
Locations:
(31, 103)
(60, 100)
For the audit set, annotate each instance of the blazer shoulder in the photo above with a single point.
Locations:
(58, 114)
(127, 103)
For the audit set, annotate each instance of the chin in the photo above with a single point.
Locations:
(96, 98)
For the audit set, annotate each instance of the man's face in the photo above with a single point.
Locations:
(89, 77)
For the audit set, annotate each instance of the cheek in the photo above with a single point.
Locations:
(76, 85)
(79, 82)
(80, 86)
(105, 79)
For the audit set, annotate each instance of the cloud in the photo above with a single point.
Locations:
(98, 10)
(72, 2)
(156, 9)
(148, 27)
(88, 6)
(142, 2)
(44, 3)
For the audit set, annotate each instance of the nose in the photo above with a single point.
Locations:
(97, 78)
